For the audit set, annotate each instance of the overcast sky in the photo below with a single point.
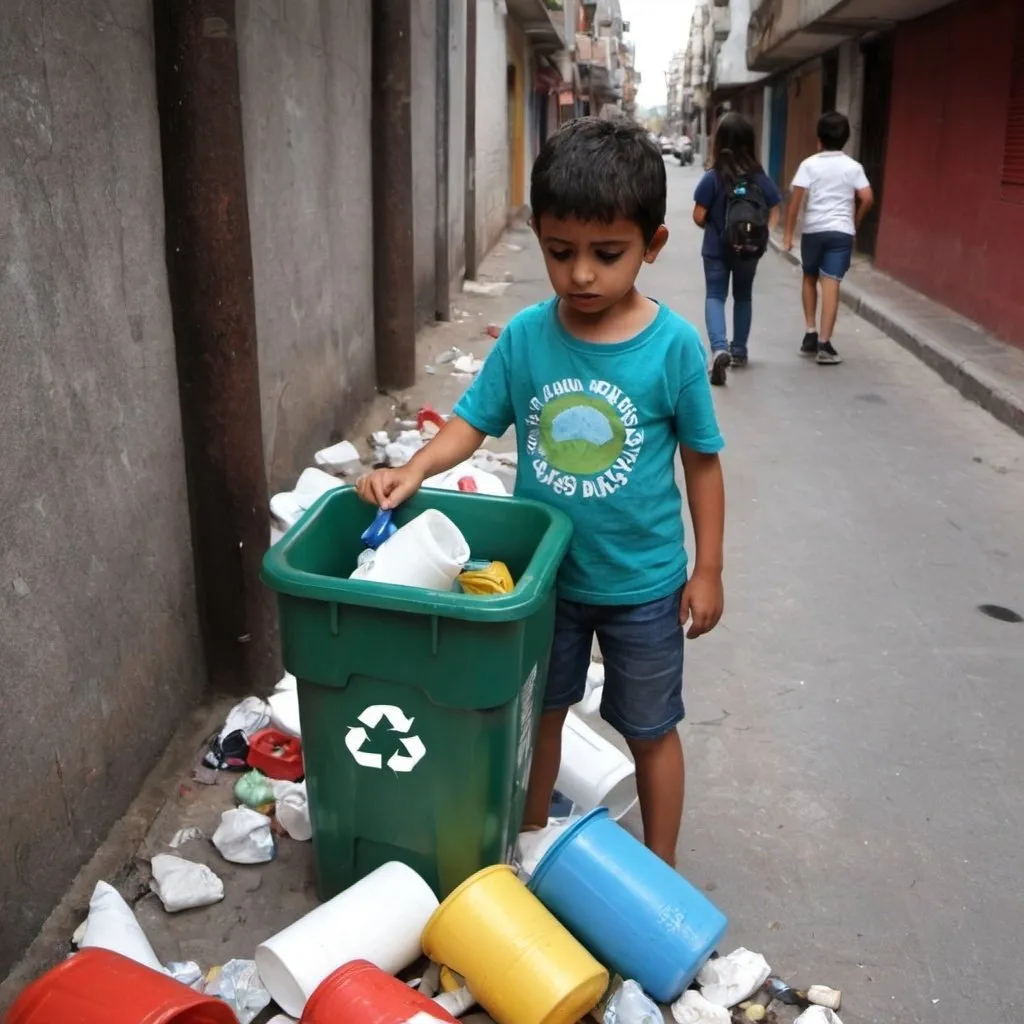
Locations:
(659, 28)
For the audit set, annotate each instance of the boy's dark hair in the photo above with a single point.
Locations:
(833, 130)
(597, 170)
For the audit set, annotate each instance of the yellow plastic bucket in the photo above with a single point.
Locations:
(519, 962)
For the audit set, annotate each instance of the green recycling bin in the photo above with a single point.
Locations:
(419, 707)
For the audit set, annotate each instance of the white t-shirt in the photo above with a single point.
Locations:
(831, 179)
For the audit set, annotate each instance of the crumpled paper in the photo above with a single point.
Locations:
(243, 837)
(728, 980)
(183, 884)
(692, 1008)
(818, 1015)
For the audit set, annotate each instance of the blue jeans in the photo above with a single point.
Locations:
(716, 278)
(642, 647)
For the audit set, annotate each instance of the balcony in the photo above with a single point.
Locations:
(783, 33)
(721, 22)
(542, 21)
(596, 52)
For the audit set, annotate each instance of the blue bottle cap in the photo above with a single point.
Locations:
(379, 530)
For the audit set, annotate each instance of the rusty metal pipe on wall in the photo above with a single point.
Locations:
(209, 260)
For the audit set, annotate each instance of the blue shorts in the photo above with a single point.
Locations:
(826, 254)
(642, 647)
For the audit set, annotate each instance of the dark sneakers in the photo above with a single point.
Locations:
(720, 362)
(737, 359)
(827, 355)
(809, 346)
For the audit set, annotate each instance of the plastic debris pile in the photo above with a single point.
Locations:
(341, 464)
(346, 955)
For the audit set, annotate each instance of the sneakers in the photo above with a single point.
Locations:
(720, 362)
(827, 355)
(821, 351)
(737, 359)
(809, 346)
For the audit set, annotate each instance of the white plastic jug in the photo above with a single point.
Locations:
(379, 919)
(593, 773)
(428, 552)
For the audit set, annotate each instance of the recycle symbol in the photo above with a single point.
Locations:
(402, 760)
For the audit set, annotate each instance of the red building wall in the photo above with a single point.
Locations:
(948, 227)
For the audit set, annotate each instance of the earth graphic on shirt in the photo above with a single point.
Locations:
(580, 434)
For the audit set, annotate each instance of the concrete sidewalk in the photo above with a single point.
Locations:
(982, 368)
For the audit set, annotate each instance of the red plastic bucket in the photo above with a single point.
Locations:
(96, 986)
(360, 993)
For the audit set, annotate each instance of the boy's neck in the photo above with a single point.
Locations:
(621, 321)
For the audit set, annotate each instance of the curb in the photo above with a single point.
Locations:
(972, 380)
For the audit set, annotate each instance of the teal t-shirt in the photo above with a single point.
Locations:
(597, 431)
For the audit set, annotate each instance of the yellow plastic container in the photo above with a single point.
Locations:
(493, 579)
(519, 962)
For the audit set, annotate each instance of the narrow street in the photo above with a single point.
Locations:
(854, 763)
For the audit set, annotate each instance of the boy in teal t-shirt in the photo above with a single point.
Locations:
(603, 387)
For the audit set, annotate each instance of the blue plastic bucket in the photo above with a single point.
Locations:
(639, 917)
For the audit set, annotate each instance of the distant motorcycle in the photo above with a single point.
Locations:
(683, 150)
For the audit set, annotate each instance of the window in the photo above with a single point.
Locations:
(1013, 152)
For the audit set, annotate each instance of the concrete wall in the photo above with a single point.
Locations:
(731, 61)
(943, 190)
(457, 140)
(305, 80)
(492, 155)
(424, 154)
(100, 655)
(850, 91)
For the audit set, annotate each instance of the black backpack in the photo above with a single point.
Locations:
(746, 221)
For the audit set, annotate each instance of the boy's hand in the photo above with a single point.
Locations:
(702, 603)
(388, 488)
(787, 243)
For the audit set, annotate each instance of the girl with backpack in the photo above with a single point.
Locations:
(736, 204)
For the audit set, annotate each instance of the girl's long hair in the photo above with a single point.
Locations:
(734, 146)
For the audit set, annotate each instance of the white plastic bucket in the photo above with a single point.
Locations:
(593, 773)
(428, 552)
(379, 919)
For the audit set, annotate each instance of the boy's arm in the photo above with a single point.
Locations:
(455, 442)
(704, 597)
(795, 202)
(865, 199)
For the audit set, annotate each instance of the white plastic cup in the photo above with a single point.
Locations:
(593, 773)
(427, 552)
(380, 919)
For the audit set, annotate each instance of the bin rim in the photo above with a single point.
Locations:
(531, 590)
(555, 849)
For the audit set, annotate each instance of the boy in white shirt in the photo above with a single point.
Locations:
(838, 198)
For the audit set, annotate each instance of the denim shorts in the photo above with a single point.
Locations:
(642, 647)
(826, 254)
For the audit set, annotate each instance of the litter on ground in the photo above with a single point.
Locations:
(244, 837)
(183, 884)
(337, 458)
(488, 289)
